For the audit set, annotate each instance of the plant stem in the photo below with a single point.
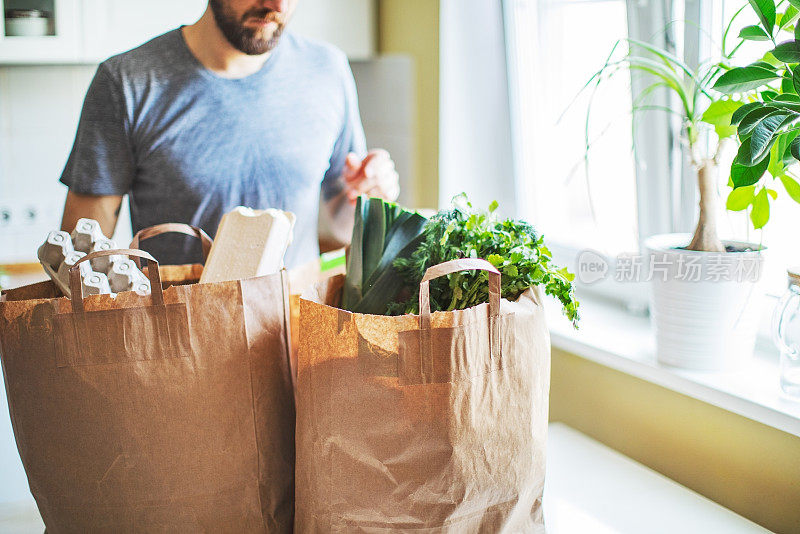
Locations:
(705, 235)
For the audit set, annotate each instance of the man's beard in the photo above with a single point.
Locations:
(246, 39)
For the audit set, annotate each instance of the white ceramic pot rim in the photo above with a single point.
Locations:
(673, 242)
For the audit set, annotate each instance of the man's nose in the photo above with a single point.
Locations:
(277, 5)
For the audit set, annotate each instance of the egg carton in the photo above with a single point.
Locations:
(104, 275)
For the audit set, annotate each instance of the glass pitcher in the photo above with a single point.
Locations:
(786, 335)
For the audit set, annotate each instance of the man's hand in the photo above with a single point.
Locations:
(374, 176)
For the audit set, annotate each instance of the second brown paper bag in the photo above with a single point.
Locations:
(432, 423)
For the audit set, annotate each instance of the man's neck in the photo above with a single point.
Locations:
(207, 43)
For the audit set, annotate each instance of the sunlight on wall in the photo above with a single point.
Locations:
(412, 27)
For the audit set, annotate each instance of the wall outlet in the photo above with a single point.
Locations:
(24, 224)
(5, 216)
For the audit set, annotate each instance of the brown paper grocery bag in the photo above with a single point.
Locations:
(300, 279)
(430, 423)
(171, 412)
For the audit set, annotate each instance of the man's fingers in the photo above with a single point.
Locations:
(378, 166)
(373, 157)
(385, 185)
(352, 166)
(375, 175)
(352, 160)
(376, 153)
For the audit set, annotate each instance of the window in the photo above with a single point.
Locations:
(554, 47)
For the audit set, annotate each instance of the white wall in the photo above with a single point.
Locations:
(475, 128)
(39, 109)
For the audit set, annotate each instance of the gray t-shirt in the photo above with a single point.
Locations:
(189, 146)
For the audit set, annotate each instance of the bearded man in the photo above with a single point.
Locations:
(229, 111)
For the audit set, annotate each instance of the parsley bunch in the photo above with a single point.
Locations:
(511, 246)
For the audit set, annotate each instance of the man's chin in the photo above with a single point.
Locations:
(257, 47)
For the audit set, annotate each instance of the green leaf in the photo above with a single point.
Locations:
(374, 235)
(795, 3)
(772, 193)
(788, 51)
(719, 114)
(351, 292)
(765, 9)
(493, 206)
(743, 79)
(382, 233)
(764, 135)
(387, 286)
(759, 215)
(740, 198)
(739, 114)
(752, 119)
(784, 148)
(789, 98)
(780, 156)
(791, 186)
(771, 60)
(754, 33)
(797, 32)
(768, 95)
(796, 80)
(776, 166)
(794, 148)
(406, 227)
(495, 259)
(788, 18)
(787, 86)
(742, 175)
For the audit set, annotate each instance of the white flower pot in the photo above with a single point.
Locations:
(705, 306)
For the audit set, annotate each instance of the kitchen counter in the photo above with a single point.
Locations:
(589, 489)
(17, 275)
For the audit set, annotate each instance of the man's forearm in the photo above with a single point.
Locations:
(336, 216)
(104, 209)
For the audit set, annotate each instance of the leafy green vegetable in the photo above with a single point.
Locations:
(383, 231)
(511, 246)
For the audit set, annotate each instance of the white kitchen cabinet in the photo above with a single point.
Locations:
(114, 26)
(89, 31)
(61, 46)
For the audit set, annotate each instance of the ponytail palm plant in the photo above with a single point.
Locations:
(756, 106)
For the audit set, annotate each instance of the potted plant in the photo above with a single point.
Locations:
(705, 300)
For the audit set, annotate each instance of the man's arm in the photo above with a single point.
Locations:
(101, 166)
(102, 208)
(336, 218)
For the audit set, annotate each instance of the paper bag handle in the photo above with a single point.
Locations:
(178, 228)
(156, 291)
(454, 266)
(449, 267)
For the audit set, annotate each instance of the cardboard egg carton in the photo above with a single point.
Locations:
(104, 275)
(248, 243)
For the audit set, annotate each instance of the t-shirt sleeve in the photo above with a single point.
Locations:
(101, 161)
(351, 138)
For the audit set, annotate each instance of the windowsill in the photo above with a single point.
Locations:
(617, 339)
